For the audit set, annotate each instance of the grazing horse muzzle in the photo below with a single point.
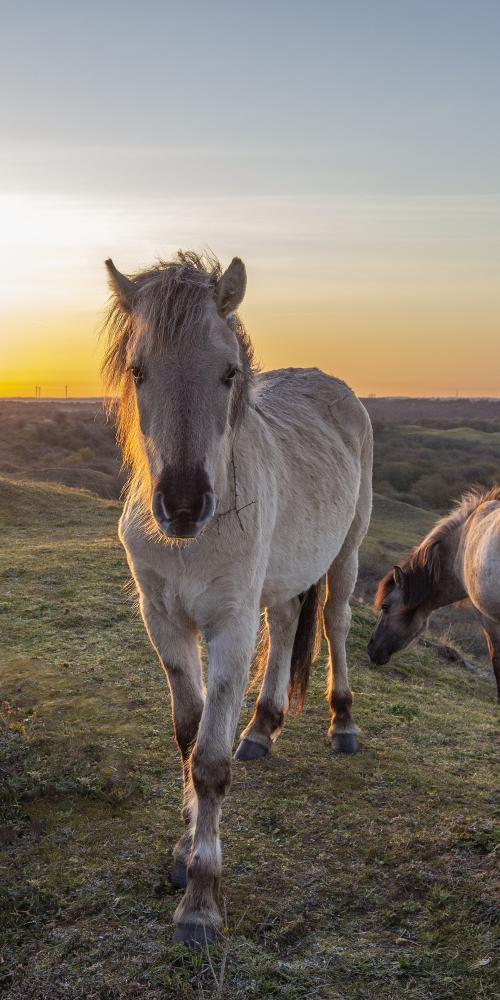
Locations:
(183, 504)
(378, 655)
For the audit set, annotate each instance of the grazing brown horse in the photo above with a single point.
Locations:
(246, 490)
(459, 558)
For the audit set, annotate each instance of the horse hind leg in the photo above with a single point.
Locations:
(492, 636)
(341, 580)
(272, 704)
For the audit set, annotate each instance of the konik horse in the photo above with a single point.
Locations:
(246, 490)
(459, 558)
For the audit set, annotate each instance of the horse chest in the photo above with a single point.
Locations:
(194, 583)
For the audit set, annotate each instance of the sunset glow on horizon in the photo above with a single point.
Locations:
(361, 192)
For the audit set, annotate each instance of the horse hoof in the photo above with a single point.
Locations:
(194, 935)
(178, 874)
(345, 743)
(250, 750)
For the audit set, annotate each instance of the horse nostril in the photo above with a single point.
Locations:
(159, 509)
(207, 507)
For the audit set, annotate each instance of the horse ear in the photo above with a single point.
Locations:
(399, 577)
(231, 287)
(122, 287)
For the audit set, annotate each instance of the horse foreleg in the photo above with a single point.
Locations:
(197, 917)
(272, 704)
(177, 649)
(341, 579)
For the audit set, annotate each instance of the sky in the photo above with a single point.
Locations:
(348, 152)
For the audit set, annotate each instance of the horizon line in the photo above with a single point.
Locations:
(370, 395)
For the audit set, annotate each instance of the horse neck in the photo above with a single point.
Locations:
(232, 467)
(449, 586)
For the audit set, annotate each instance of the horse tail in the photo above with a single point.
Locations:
(306, 645)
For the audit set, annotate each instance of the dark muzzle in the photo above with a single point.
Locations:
(378, 655)
(183, 502)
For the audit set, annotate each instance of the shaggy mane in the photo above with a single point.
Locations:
(423, 566)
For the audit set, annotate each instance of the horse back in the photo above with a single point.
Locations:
(306, 403)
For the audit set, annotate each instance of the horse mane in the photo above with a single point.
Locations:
(422, 568)
(172, 297)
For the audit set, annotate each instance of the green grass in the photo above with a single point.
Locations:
(369, 877)
(452, 434)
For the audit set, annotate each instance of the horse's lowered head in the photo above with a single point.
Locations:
(182, 364)
(402, 600)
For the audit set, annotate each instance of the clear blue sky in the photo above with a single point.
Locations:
(366, 96)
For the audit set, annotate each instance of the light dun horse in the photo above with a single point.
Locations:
(459, 558)
(246, 490)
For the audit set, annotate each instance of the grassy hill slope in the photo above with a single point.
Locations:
(62, 441)
(369, 877)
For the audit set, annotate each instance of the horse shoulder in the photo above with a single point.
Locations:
(481, 559)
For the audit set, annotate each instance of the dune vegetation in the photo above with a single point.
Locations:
(364, 877)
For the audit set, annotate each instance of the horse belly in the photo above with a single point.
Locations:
(302, 553)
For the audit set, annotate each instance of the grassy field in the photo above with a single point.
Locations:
(453, 434)
(62, 441)
(371, 877)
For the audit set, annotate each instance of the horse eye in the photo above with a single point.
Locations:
(384, 607)
(229, 375)
(137, 374)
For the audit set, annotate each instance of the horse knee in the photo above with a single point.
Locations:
(211, 773)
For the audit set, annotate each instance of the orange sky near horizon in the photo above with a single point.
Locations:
(380, 348)
(396, 297)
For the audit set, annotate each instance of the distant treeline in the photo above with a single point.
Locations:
(432, 466)
(409, 410)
